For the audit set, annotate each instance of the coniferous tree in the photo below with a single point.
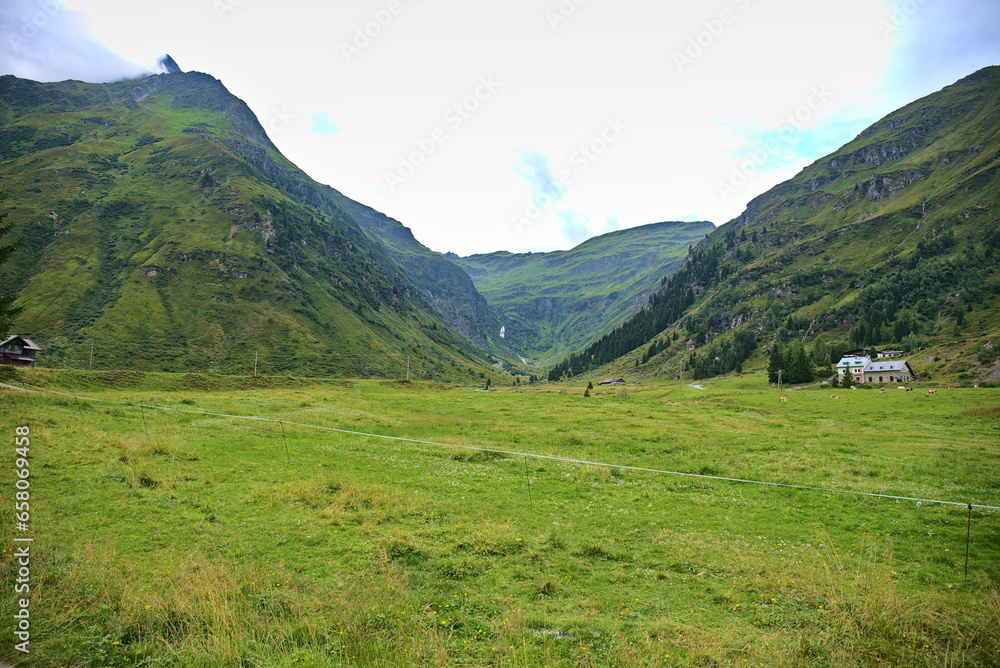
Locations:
(819, 353)
(7, 309)
(801, 371)
(775, 363)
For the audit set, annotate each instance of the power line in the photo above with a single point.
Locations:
(516, 454)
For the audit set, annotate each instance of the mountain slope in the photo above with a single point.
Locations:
(163, 225)
(552, 304)
(445, 285)
(893, 239)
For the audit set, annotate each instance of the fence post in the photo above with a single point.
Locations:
(968, 535)
(531, 503)
(283, 438)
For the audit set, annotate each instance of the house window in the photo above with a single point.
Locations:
(880, 379)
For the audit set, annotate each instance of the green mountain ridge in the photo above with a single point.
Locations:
(164, 228)
(553, 304)
(449, 289)
(892, 240)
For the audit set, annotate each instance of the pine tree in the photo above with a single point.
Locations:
(801, 366)
(819, 353)
(7, 309)
(775, 363)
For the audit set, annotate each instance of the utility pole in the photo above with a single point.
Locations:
(255, 354)
(90, 367)
(779, 380)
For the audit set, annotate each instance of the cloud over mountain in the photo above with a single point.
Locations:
(534, 167)
(44, 41)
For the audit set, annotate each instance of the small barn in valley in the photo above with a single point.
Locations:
(18, 351)
(613, 381)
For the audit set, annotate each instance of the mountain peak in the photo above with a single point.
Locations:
(167, 65)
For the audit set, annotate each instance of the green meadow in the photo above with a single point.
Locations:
(387, 523)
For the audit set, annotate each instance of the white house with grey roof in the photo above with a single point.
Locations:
(856, 363)
(883, 370)
(888, 371)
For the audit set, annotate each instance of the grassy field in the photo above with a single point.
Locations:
(179, 538)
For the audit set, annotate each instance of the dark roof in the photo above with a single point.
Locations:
(20, 358)
(27, 344)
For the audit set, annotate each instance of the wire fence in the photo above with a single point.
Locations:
(512, 453)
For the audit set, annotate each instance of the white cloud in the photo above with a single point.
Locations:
(575, 228)
(534, 167)
(322, 124)
(688, 128)
(41, 40)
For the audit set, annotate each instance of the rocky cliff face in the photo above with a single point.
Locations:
(449, 289)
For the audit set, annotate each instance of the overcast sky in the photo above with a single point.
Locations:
(533, 124)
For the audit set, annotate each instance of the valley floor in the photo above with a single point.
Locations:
(213, 521)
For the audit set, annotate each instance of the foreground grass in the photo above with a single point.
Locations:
(168, 538)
